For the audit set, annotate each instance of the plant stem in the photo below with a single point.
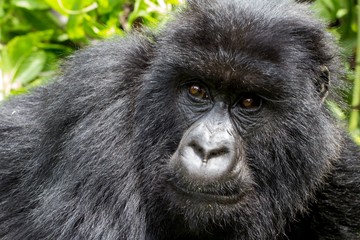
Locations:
(354, 115)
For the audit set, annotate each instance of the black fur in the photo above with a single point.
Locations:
(87, 156)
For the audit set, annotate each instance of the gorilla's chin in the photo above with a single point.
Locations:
(225, 196)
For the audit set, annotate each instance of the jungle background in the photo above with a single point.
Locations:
(36, 35)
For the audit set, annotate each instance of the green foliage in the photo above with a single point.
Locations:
(344, 21)
(36, 34)
(342, 18)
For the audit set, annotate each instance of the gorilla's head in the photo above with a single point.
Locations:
(232, 116)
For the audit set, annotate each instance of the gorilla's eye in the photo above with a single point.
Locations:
(250, 102)
(198, 92)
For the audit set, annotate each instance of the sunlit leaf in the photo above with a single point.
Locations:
(336, 110)
(30, 4)
(107, 6)
(30, 67)
(19, 49)
(341, 12)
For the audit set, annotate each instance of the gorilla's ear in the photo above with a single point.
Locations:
(323, 82)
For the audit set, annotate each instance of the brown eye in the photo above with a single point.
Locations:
(250, 102)
(198, 92)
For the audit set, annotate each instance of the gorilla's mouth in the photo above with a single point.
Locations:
(200, 194)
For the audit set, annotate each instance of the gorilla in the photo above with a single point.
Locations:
(216, 126)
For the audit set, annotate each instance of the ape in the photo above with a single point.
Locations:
(215, 127)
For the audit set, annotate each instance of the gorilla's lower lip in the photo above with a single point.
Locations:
(208, 196)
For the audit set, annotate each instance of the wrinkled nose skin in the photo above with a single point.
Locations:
(207, 150)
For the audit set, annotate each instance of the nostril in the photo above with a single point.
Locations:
(197, 149)
(217, 152)
(207, 154)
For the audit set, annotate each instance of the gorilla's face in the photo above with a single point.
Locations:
(251, 138)
(209, 164)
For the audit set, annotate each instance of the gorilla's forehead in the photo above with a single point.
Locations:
(253, 65)
(230, 42)
(237, 26)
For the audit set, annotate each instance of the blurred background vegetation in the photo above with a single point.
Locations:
(36, 34)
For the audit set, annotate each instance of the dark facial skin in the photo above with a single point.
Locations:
(208, 154)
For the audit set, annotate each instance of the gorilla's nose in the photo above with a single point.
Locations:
(208, 154)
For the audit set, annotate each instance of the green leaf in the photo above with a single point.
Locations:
(2, 12)
(17, 55)
(74, 25)
(336, 110)
(107, 6)
(341, 12)
(30, 4)
(173, 2)
(30, 67)
(42, 20)
(71, 7)
(13, 51)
